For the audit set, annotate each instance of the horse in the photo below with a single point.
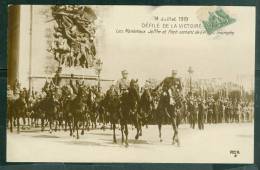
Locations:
(36, 112)
(145, 107)
(59, 116)
(49, 107)
(66, 99)
(128, 114)
(20, 109)
(79, 108)
(30, 110)
(103, 117)
(92, 104)
(112, 104)
(168, 105)
(10, 108)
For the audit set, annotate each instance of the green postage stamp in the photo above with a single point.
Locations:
(214, 19)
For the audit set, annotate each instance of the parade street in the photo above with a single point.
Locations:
(226, 142)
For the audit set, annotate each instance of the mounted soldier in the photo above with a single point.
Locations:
(10, 111)
(170, 102)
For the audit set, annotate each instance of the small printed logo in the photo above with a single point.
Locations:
(234, 153)
(217, 20)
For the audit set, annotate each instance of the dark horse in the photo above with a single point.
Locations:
(128, 114)
(20, 109)
(79, 109)
(10, 108)
(145, 107)
(49, 106)
(112, 104)
(66, 107)
(168, 105)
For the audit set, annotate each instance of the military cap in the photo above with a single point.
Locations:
(124, 72)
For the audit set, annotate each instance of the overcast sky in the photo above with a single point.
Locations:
(146, 56)
(154, 56)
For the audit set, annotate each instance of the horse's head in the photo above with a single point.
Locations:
(66, 91)
(134, 84)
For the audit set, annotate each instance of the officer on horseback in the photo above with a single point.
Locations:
(122, 86)
(171, 87)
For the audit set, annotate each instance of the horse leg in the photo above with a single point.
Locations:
(50, 123)
(29, 120)
(18, 124)
(74, 125)
(122, 133)
(88, 124)
(62, 123)
(14, 121)
(56, 124)
(92, 124)
(103, 122)
(138, 127)
(114, 133)
(32, 120)
(70, 128)
(59, 123)
(160, 133)
(24, 121)
(35, 122)
(83, 126)
(137, 133)
(77, 129)
(126, 135)
(175, 135)
(11, 123)
(66, 124)
(95, 122)
(42, 124)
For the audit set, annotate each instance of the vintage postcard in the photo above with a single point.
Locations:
(158, 84)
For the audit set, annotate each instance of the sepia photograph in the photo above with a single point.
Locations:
(130, 84)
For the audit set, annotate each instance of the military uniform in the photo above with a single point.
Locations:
(201, 113)
(192, 112)
(122, 85)
(214, 112)
(171, 83)
(210, 111)
(221, 111)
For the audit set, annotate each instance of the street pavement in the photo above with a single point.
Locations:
(217, 143)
